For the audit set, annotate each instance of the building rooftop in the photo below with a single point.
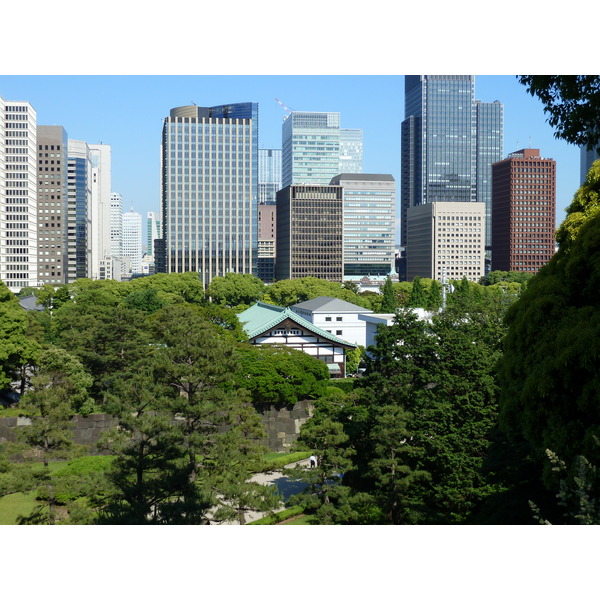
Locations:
(261, 317)
(361, 177)
(329, 304)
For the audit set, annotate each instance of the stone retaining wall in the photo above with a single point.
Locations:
(282, 424)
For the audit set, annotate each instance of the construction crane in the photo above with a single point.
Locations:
(288, 110)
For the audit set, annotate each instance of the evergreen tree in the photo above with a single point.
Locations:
(417, 297)
(388, 304)
(434, 296)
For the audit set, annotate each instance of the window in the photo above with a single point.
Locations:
(338, 318)
(328, 318)
(338, 332)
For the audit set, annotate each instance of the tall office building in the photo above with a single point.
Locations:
(78, 218)
(446, 239)
(523, 211)
(153, 231)
(116, 226)
(269, 175)
(267, 226)
(449, 141)
(52, 195)
(100, 218)
(368, 213)
(351, 151)
(209, 190)
(310, 148)
(132, 241)
(310, 232)
(18, 195)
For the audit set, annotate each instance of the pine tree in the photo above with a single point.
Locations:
(388, 304)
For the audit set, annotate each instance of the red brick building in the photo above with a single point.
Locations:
(523, 211)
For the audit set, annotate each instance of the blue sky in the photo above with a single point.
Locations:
(127, 111)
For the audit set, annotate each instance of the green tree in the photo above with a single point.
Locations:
(146, 300)
(572, 103)
(18, 347)
(434, 296)
(236, 289)
(280, 374)
(49, 405)
(417, 297)
(388, 304)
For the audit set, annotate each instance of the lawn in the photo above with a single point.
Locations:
(16, 505)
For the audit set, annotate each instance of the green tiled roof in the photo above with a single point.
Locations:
(262, 316)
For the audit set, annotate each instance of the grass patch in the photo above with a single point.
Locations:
(17, 505)
(275, 460)
(278, 516)
(303, 520)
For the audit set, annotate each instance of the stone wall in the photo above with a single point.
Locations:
(282, 423)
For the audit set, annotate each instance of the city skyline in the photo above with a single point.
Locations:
(126, 112)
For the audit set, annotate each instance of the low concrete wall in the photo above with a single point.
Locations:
(282, 423)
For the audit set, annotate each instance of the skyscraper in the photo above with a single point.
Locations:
(310, 232)
(587, 157)
(368, 214)
(209, 190)
(351, 151)
(269, 175)
(523, 211)
(153, 231)
(132, 241)
(18, 195)
(79, 198)
(116, 226)
(52, 204)
(310, 148)
(446, 239)
(449, 141)
(99, 213)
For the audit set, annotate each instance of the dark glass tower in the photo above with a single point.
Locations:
(209, 190)
(449, 142)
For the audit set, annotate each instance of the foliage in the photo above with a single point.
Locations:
(417, 297)
(572, 103)
(287, 292)
(280, 374)
(353, 359)
(279, 516)
(585, 206)
(146, 300)
(18, 348)
(494, 277)
(388, 304)
(550, 381)
(434, 296)
(236, 289)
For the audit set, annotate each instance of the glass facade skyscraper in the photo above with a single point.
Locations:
(209, 177)
(310, 148)
(449, 141)
(269, 175)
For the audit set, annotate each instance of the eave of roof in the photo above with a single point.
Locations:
(262, 323)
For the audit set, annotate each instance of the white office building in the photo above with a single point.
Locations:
(18, 195)
(132, 241)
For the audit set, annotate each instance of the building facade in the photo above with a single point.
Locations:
(369, 223)
(52, 195)
(310, 148)
(523, 211)
(267, 228)
(153, 232)
(79, 182)
(116, 226)
(310, 232)
(132, 241)
(449, 141)
(587, 158)
(18, 195)
(269, 175)
(209, 190)
(446, 239)
(99, 240)
(351, 151)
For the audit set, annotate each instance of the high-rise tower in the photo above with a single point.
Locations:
(209, 190)
(18, 195)
(523, 211)
(310, 148)
(449, 142)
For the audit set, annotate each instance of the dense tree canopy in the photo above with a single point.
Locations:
(572, 103)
